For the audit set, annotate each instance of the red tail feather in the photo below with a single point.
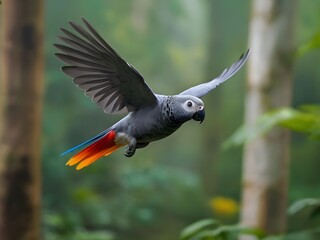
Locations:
(93, 152)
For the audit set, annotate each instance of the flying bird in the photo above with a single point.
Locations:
(117, 87)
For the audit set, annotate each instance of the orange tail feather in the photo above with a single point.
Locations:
(90, 154)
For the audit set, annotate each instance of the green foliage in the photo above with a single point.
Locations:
(308, 212)
(312, 44)
(305, 120)
(191, 231)
(209, 229)
(311, 205)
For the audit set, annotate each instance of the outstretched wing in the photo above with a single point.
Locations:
(112, 83)
(202, 89)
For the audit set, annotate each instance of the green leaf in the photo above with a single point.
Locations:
(313, 109)
(263, 124)
(300, 122)
(193, 229)
(311, 205)
(311, 234)
(313, 43)
(305, 121)
(224, 231)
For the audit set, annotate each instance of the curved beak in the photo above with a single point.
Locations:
(199, 115)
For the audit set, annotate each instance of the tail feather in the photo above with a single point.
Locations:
(86, 162)
(101, 147)
(95, 138)
(85, 153)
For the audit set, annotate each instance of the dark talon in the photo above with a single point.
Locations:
(130, 152)
(131, 148)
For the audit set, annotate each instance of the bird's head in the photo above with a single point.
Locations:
(187, 107)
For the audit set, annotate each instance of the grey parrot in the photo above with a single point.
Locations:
(117, 87)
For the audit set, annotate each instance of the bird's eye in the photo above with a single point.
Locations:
(189, 104)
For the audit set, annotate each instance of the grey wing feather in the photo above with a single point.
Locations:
(112, 83)
(202, 89)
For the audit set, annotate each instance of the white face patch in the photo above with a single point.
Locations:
(191, 106)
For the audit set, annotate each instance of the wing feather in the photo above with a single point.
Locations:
(113, 84)
(73, 60)
(89, 79)
(204, 88)
(87, 36)
(76, 71)
(74, 52)
(77, 42)
(99, 38)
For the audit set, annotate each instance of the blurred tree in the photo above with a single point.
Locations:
(266, 159)
(21, 94)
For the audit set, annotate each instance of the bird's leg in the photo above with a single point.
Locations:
(131, 147)
(123, 139)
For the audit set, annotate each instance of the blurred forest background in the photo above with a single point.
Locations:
(189, 176)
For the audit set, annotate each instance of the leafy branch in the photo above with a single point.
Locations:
(305, 120)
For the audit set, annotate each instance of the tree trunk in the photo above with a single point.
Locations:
(266, 159)
(20, 126)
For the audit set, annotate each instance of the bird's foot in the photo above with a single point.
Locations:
(131, 148)
(130, 152)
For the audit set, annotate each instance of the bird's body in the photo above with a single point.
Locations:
(117, 87)
(152, 123)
